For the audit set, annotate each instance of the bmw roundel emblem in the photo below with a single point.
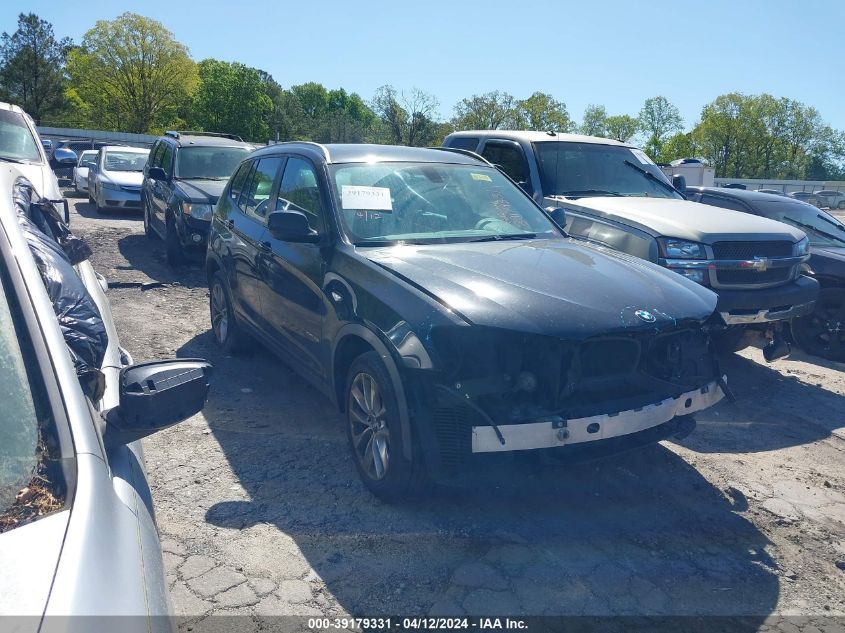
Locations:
(646, 316)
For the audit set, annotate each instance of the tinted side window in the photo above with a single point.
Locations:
(167, 159)
(509, 157)
(240, 179)
(464, 142)
(299, 191)
(256, 195)
(155, 155)
(725, 203)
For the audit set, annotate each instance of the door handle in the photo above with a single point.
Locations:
(265, 246)
(231, 224)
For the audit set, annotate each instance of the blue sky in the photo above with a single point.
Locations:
(611, 53)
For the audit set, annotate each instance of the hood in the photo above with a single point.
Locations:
(42, 178)
(199, 189)
(688, 220)
(125, 178)
(564, 288)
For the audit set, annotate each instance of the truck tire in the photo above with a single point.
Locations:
(822, 332)
(731, 340)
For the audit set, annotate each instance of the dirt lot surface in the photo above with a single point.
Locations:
(261, 511)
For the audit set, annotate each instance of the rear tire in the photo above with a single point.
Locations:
(374, 432)
(173, 248)
(822, 332)
(228, 333)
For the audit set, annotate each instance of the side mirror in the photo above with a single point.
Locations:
(558, 215)
(679, 183)
(291, 226)
(154, 396)
(156, 173)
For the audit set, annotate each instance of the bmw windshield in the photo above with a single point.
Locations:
(428, 203)
(580, 170)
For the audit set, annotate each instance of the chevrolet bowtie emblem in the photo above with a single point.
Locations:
(760, 264)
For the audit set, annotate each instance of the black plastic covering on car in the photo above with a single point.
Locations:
(56, 251)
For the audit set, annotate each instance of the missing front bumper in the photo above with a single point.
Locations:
(551, 434)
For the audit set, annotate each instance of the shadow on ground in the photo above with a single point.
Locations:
(773, 410)
(148, 256)
(640, 533)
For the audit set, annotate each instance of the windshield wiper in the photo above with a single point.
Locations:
(829, 221)
(817, 231)
(6, 159)
(583, 193)
(651, 177)
(504, 236)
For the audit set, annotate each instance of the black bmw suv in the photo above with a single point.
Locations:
(446, 314)
(182, 181)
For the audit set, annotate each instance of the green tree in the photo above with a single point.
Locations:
(659, 120)
(621, 127)
(231, 98)
(32, 63)
(489, 111)
(542, 112)
(594, 122)
(679, 145)
(405, 118)
(132, 74)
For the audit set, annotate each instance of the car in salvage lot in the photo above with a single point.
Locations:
(114, 178)
(447, 316)
(80, 172)
(77, 527)
(182, 182)
(614, 194)
(822, 332)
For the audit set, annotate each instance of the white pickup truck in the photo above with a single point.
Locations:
(612, 193)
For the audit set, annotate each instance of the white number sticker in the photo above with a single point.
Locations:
(365, 198)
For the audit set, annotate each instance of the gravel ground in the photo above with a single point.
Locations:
(261, 511)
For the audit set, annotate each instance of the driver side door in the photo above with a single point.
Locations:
(292, 300)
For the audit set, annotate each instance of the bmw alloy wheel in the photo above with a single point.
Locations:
(368, 422)
(219, 313)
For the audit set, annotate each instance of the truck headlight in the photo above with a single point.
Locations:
(672, 248)
(802, 247)
(198, 210)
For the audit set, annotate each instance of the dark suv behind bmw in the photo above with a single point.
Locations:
(445, 313)
(182, 181)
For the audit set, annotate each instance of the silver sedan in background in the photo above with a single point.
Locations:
(114, 179)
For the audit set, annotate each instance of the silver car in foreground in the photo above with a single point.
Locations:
(77, 528)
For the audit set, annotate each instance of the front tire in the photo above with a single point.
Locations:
(374, 432)
(228, 333)
(148, 229)
(822, 332)
(173, 248)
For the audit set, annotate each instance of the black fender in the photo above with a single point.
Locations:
(389, 359)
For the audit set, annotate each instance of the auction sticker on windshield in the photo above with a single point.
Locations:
(482, 177)
(366, 198)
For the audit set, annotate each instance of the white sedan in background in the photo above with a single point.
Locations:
(80, 172)
(114, 179)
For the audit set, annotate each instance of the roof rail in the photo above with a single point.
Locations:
(178, 133)
(321, 147)
(465, 152)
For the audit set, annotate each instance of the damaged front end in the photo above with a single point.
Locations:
(499, 391)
